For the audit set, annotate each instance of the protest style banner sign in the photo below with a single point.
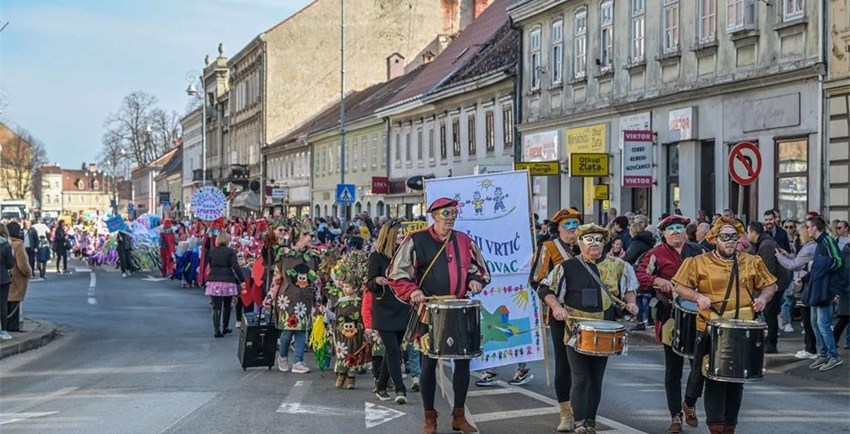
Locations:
(208, 203)
(494, 210)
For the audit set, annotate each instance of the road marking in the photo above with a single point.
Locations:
(499, 415)
(491, 392)
(7, 418)
(624, 429)
(92, 300)
(42, 399)
(150, 278)
(292, 403)
(82, 270)
(378, 414)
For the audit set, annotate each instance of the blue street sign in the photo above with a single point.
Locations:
(345, 194)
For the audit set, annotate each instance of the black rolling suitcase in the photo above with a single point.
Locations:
(257, 341)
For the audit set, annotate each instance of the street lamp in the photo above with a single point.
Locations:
(191, 77)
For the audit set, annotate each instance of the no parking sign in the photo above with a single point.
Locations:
(744, 163)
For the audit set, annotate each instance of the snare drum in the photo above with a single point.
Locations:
(737, 350)
(685, 334)
(599, 338)
(455, 329)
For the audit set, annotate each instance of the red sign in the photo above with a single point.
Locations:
(745, 163)
(380, 185)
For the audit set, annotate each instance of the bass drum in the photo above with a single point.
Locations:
(454, 327)
(737, 350)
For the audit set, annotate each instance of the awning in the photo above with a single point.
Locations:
(246, 200)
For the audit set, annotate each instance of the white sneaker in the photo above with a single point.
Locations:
(803, 354)
(788, 328)
(239, 324)
(283, 364)
(124, 275)
(300, 368)
(4, 335)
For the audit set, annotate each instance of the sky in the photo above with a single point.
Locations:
(66, 65)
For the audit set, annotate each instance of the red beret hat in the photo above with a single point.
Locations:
(441, 203)
(669, 220)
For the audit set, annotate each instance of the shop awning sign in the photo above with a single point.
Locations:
(745, 163)
(539, 168)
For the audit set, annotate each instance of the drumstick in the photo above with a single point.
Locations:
(545, 358)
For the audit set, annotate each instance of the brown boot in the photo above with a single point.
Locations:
(566, 423)
(340, 380)
(716, 428)
(676, 424)
(459, 422)
(690, 415)
(430, 422)
(728, 429)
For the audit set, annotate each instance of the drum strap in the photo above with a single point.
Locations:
(434, 261)
(605, 289)
(733, 278)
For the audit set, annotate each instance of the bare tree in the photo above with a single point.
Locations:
(22, 156)
(113, 155)
(142, 129)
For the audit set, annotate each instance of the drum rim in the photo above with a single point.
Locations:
(731, 323)
(619, 327)
(678, 306)
(724, 379)
(452, 304)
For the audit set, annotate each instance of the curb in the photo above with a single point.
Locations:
(43, 332)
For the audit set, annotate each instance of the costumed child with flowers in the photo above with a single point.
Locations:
(351, 348)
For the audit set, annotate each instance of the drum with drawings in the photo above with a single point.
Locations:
(737, 350)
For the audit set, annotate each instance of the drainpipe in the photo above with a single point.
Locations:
(822, 69)
(517, 77)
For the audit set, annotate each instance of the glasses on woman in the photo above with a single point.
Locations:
(790, 227)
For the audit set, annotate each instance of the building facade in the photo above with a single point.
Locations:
(192, 165)
(698, 77)
(145, 197)
(169, 185)
(51, 191)
(85, 191)
(837, 94)
(217, 99)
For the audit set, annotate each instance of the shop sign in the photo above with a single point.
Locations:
(681, 124)
(588, 164)
(637, 158)
(540, 146)
(539, 168)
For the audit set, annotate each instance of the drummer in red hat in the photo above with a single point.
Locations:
(439, 261)
(655, 271)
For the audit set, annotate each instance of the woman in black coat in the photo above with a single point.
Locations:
(223, 282)
(7, 262)
(389, 314)
(60, 246)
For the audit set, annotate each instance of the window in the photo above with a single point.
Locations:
(364, 142)
(740, 15)
(638, 29)
(489, 127)
(707, 21)
(557, 51)
(672, 177)
(606, 33)
(443, 150)
(580, 40)
(374, 151)
(470, 133)
(535, 58)
(792, 9)
(397, 148)
(431, 152)
(456, 137)
(508, 127)
(419, 145)
(671, 26)
(792, 181)
(355, 154)
(384, 139)
(407, 152)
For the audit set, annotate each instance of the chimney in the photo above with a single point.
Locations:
(479, 6)
(395, 66)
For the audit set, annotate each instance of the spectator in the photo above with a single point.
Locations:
(611, 215)
(43, 255)
(824, 282)
(61, 245)
(702, 231)
(31, 241)
(728, 213)
(842, 231)
(21, 274)
(643, 241)
(617, 249)
(691, 232)
(620, 229)
(125, 245)
(790, 227)
(771, 226)
(798, 264)
(765, 248)
(7, 262)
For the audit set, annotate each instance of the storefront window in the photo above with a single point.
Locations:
(672, 178)
(792, 180)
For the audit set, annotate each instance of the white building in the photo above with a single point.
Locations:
(192, 156)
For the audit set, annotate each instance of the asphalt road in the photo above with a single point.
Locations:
(137, 356)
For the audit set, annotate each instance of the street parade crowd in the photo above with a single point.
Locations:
(367, 296)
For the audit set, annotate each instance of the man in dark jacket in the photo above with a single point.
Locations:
(31, 242)
(772, 227)
(640, 244)
(823, 282)
(764, 246)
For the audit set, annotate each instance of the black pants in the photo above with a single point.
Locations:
(428, 382)
(809, 339)
(722, 402)
(4, 305)
(124, 260)
(241, 309)
(674, 364)
(587, 375)
(31, 257)
(61, 257)
(223, 304)
(771, 312)
(391, 363)
(563, 376)
(843, 320)
(13, 321)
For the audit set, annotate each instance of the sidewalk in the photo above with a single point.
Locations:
(37, 333)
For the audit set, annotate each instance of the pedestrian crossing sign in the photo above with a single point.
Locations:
(345, 194)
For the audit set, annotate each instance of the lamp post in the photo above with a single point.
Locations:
(191, 77)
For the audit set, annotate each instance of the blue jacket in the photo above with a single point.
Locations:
(826, 277)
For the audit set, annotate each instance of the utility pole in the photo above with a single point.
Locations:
(346, 207)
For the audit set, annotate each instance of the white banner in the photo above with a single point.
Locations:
(494, 211)
(637, 158)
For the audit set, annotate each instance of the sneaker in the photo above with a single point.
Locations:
(383, 395)
(675, 424)
(283, 364)
(488, 379)
(639, 326)
(4, 335)
(831, 363)
(239, 324)
(124, 275)
(788, 328)
(818, 363)
(414, 387)
(521, 377)
(352, 381)
(803, 354)
(300, 368)
(400, 398)
(690, 415)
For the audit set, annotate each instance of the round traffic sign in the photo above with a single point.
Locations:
(744, 163)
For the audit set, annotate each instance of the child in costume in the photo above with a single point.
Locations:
(349, 344)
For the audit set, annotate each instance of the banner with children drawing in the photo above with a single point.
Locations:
(494, 210)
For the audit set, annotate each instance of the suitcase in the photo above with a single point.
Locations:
(257, 341)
